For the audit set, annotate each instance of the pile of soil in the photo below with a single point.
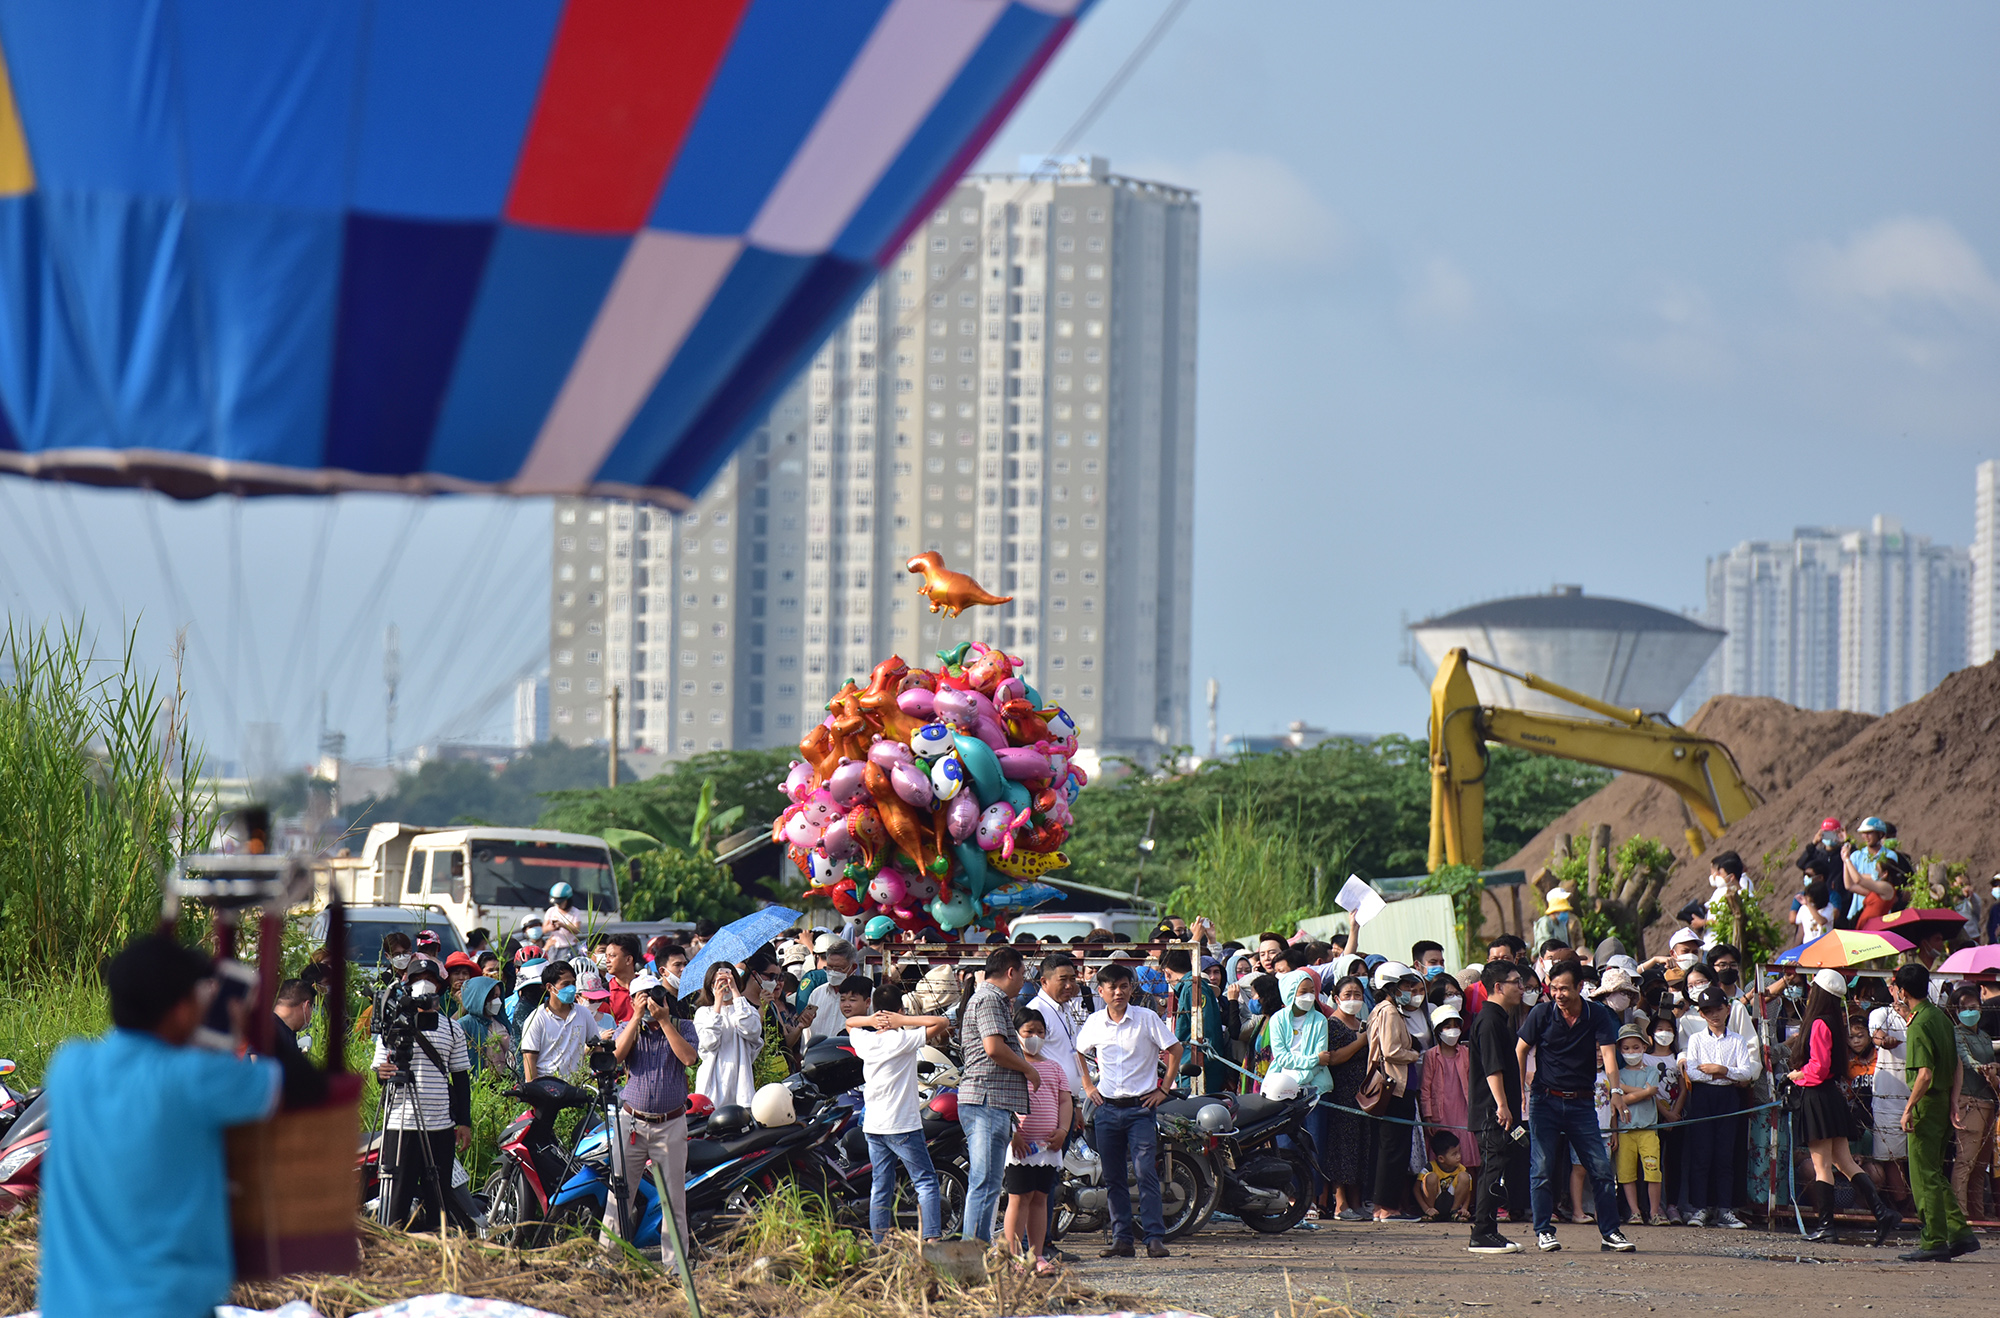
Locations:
(1932, 768)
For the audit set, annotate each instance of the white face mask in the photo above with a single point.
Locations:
(1686, 962)
(1664, 1038)
(1031, 1044)
(1352, 1006)
(401, 961)
(1529, 997)
(1618, 1002)
(1449, 1035)
(1631, 1059)
(1455, 1002)
(1303, 1002)
(1694, 993)
(672, 981)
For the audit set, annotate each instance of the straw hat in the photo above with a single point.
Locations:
(1557, 900)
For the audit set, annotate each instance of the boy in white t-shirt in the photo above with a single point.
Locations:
(887, 1044)
(1034, 1157)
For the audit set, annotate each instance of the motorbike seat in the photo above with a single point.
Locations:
(716, 1152)
(1251, 1109)
(1185, 1107)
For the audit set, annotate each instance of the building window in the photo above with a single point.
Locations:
(567, 517)
(564, 657)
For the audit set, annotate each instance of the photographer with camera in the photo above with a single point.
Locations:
(656, 1049)
(426, 1074)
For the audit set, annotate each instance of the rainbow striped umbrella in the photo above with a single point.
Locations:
(1841, 948)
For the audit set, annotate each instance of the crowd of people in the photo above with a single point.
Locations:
(1554, 1082)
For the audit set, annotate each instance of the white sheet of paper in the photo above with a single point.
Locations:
(1359, 900)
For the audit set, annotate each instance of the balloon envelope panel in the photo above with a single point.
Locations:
(531, 246)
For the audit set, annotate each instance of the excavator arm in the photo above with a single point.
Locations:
(1700, 770)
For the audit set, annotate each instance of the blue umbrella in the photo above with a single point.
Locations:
(735, 941)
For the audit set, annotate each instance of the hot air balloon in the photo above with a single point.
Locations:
(524, 246)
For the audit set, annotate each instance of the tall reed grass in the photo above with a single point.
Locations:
(99, 793)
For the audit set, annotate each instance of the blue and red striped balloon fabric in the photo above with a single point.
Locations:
(531, 246)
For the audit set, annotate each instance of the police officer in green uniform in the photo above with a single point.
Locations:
(1931, 1066)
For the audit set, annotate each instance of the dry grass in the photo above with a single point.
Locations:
(578, 1280)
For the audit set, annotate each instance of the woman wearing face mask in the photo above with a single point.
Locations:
(1616, 991)
(1298, 1048)
(1819, 1060)
(1444, 1092)
(485, 1026)
(729, 1035)
(1391, 1050)
(1257, 1022)
(1974, 1118)
(1690, 1023)
(1349, 1150)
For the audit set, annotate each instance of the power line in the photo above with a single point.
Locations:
(60, 580)
(306, 621)
(184, 615)
(362, 610)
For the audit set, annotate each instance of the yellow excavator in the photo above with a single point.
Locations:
(1700, 770)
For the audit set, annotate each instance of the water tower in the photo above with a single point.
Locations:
(1629, 654)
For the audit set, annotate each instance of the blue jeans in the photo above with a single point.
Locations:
(987, 1131)
(1552, 1120)
(1130, 1135)
(884, 1152)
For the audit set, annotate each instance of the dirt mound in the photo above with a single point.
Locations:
(1932, 768)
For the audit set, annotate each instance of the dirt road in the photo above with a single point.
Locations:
(1409, 1269)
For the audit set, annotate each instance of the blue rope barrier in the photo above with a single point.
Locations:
(1323, 1100)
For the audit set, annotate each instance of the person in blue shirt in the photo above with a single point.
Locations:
(140, 1107)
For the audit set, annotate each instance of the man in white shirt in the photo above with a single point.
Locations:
(552, 1042)
(824, 1000)
(1126, 1045)
(1055, 1001)
(892, 1118)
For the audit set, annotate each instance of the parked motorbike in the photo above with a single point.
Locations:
(533, 1162)
(25, 1142)
(1268, 1186)
(736, 1162)
(1190, 1180)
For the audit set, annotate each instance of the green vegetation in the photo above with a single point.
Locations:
(1247, 876)
(668, 806)
(468, 792)
(98, 789)
(1464, 886)
(1347, 806)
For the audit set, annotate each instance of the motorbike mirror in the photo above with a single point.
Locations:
(6, 1066)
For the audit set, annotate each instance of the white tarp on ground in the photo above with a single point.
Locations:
(423, 1306)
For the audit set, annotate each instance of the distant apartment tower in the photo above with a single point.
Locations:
(1983, 627)
(531, 711)
(692, 617)
(1779, 603)
(1017, 393)
(1902, 616)
(1836, 618)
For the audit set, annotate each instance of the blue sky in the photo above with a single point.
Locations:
(1491, 298)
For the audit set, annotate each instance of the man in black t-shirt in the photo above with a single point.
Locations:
(1573, 1040)
(1494, 1107)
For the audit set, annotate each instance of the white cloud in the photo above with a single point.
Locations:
(1680, 338)
(1905, 260)
(1256, 212)
(1439, 296)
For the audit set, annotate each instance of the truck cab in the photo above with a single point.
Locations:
(493, 878)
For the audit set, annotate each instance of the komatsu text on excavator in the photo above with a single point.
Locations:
(1699, 769)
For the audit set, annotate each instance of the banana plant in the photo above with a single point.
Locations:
(709, 822)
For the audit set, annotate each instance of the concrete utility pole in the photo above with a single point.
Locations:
(392, 674)
(1214, 694)
(614, 734)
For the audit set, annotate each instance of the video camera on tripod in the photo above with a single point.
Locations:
(401, 1014)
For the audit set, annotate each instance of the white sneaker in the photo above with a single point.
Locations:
(1546, 1242)
(1701, 1217)
(1733, 1222)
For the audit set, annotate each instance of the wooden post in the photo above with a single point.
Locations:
(1197, 1078)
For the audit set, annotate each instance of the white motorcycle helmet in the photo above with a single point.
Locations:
(772, 1105)
(1281, 1086)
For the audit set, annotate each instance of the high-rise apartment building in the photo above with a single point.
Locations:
(1983, 626)
(1902, 615)
(1836, 618)
(1779, 603)
(1017, 393)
